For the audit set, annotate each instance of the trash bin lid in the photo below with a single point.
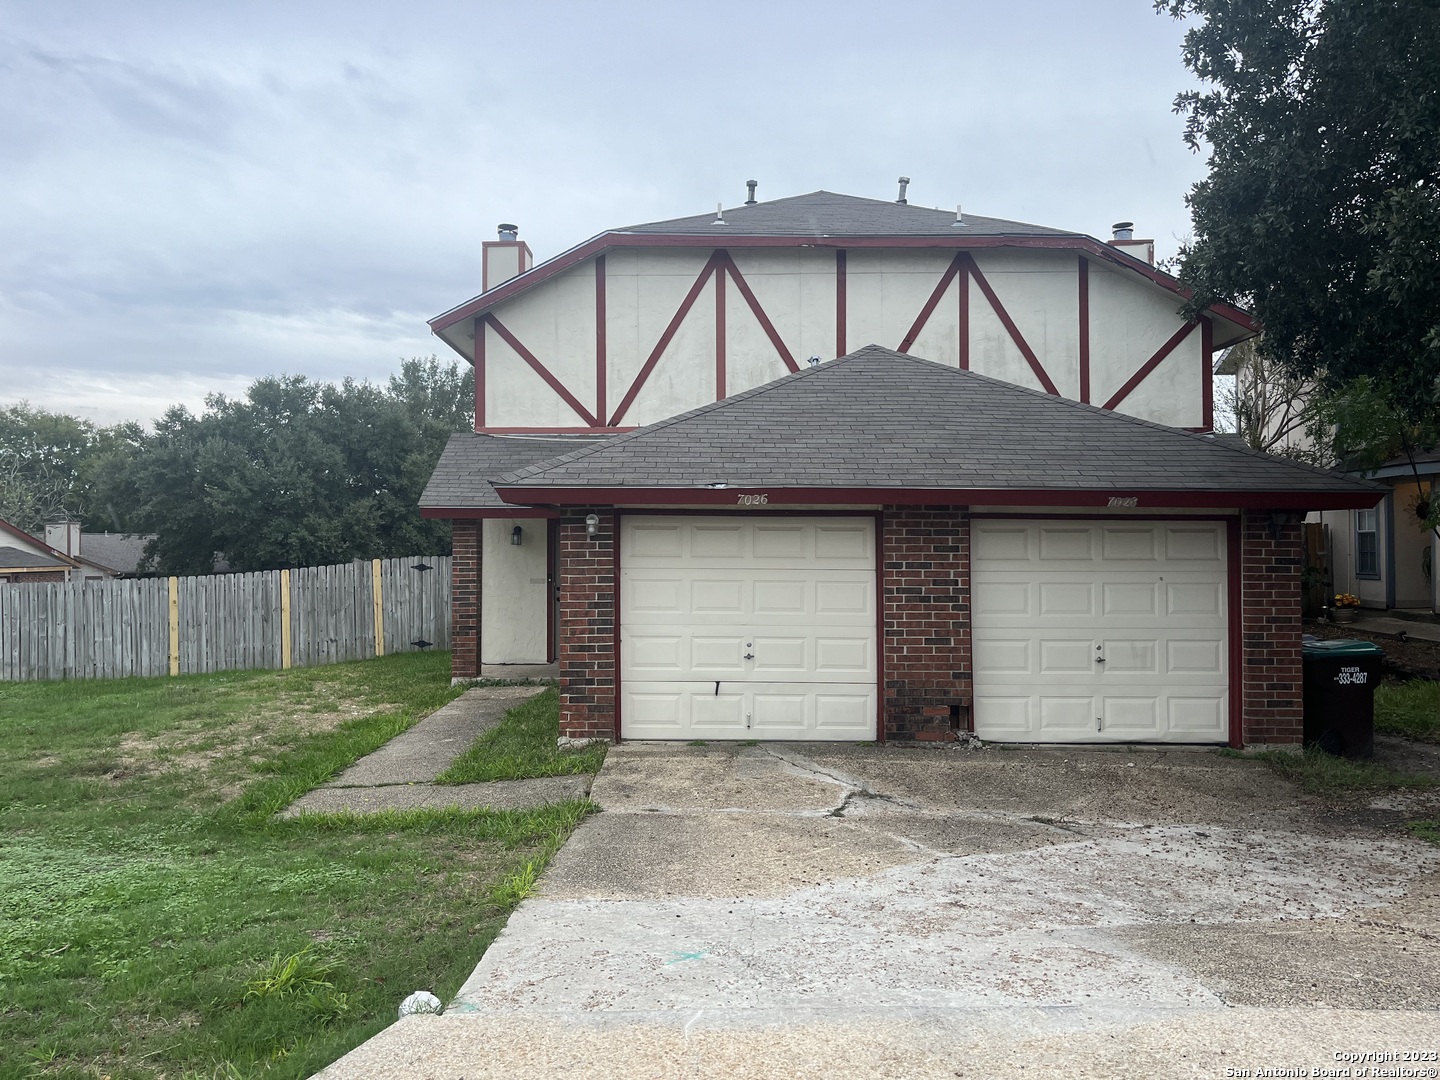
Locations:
(1341, 647)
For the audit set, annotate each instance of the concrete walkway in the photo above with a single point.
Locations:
(842, 911)
(400, 775)
(1414, 629)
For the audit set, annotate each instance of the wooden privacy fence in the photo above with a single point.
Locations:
(106, 629)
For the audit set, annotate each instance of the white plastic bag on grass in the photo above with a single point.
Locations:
(421, 1001)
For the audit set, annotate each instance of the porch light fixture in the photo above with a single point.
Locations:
(592, 524)
(515, 534)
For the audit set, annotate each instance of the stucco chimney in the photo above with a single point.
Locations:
(64, 536)
(505, 258)
(1123, 239)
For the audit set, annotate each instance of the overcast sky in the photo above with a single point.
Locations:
(196, 194)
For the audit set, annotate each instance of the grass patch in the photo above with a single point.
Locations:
(523, 745)
(1411, 709)
(1319, 773)
(155, 920)
(1426, 830)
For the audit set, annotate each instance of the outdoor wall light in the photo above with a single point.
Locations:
(515, 534)
(592, 524)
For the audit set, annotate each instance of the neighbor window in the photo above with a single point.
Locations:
(1367, 544)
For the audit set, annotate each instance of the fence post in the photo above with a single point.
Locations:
(174, 626)
(285, 620)
(378, 595)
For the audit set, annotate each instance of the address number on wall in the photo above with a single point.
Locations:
(1123, 500)
(752, 500)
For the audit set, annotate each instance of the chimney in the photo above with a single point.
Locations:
(64, 536)
(1123, 239)
(750, 186)
(505, 258)
(904, 183)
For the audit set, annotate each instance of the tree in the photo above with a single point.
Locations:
(53, 465)
(1321, 208)
(1262, 403)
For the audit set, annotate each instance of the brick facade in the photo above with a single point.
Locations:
(926, 643)
(465, 599)
(587, 625)
(925, 593)
(1270, 562)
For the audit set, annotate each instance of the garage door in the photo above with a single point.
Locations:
(1100, 632)
(747, 628)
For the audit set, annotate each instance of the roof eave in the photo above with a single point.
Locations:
(1117, 496)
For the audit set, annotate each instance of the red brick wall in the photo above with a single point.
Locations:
(465, 600)
(925, 591)
(1270, 628)
(587, 626)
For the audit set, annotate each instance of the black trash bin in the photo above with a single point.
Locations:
(1340, 680)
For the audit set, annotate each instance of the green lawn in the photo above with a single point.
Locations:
(155, 921)
(1411, 709)
(521, 745)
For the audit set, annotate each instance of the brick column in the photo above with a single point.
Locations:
(465, 599)
(587, 626)
(1270, 561)
(925, 590)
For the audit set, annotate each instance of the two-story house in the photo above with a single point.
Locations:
(839, 468)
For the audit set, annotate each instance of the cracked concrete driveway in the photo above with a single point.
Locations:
(842, 910)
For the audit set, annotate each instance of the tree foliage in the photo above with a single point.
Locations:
(53, 465)
(1262, 403)
(1321, 208)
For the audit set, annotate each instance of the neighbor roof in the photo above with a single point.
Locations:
(14, 558)
(461, 480)
(120, 552)
(882, 421)
(826, 213)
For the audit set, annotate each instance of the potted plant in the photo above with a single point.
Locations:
(1347, 606)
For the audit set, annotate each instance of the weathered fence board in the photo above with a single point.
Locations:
(119, 628)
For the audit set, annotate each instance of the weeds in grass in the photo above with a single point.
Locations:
(299, 972)
(513, 888)
(1411, 709)
(1319, 773)
(1425, 830)
(523, 745)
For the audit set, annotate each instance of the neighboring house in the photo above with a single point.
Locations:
(100, 555)
(23, 558)
(1028, 532)
(1382, 554)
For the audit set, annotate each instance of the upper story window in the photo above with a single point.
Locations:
(1367, 544)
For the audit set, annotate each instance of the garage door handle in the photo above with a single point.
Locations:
(749, 656)
(1099, 659)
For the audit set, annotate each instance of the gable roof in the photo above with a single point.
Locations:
(14, 558)
(825, 219)
(119, 552)
(30, 543)
(881, 426)
(827, 213)
(461, 480)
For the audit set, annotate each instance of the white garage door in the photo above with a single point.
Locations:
(747, 628)
(1100, 631)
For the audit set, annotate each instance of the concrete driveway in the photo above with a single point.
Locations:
(914, 912)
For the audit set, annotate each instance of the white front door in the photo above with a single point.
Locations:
(747, 627)
(1100, 631)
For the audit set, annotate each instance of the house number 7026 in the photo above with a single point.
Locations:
(752, 500)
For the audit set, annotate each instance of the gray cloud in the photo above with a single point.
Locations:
(195, 195)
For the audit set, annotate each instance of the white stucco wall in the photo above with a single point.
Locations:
(514, 593)
(1130, 318)
(1411, 588)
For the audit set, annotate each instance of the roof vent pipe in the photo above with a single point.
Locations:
(719, 214)
(1123, 230)
(959, 217)
(508, 232)
(904, 183)
(750, 186)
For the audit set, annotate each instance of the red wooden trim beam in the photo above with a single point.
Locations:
(781, 496)
(840, 314)
(1207, 377)
(1084, 302)
(554, 430)
(541, 370)
(600, 355)
(963, 297)
(609, 241)
(479, 372)
(665, 338)
(719, 333)
(474, 513)
(759, 312)
(929, 309)
(1150, 365)
(1009, 324)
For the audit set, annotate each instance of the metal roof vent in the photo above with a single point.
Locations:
(904, 183)
(750, 186)
(719, 215)
(1123, 230)
(508, 232)
(959, 218)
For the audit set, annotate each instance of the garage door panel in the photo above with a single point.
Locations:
(794, 595)
(1150, 595)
